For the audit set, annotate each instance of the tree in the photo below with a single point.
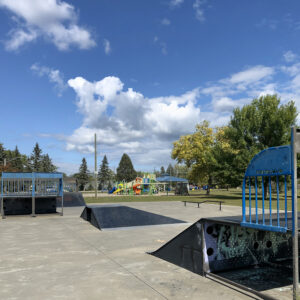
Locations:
(170, 170)
(262, 124)
(47, 165)
(195, 150)
(35, 159)
(82, 176)
(2, 154)
(17, 161)
(125, 170)
(181, 171)
(162, 171)
(104, 173)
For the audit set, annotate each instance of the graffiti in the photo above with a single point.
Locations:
(232, 246)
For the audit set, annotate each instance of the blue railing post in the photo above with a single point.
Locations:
(270, 199)
(250, 219)
(277, 188)
(244, 200)
(263, 199)
(256, 215)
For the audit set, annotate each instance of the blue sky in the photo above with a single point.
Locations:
(138, 73)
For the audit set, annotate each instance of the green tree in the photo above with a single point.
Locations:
(264, 123)
(104, 173)
(195, 150)
(47, 165)
(82, 176)
(35, 160)
(2, 154)
(162, 171)
(181, 171)
(125, 170)
(18, 160)
(170, 170)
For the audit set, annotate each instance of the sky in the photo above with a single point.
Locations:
(137, 73)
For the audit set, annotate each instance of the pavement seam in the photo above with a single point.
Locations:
(117, 263)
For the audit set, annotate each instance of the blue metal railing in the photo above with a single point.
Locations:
(270, 166)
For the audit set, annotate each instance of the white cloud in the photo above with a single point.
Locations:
(199, 11)
(127, 121)
(161, 44)
(54, 76)
(176, 3)
(54, 20)
(165, 21)
(289, 56)
(107, 47)
(251, 75)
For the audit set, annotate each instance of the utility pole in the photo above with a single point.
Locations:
(96, 187)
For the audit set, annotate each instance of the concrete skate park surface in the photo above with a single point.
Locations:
(54, 257)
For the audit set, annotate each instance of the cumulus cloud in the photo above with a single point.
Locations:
(107, 47)
(54, 20)
(127, 121)
(54, 76)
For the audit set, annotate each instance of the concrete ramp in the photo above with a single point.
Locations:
(184, 250)
(72, 199)
(223, 249)
(123, 216)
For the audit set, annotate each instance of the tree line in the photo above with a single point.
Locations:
(125, 171)
(14, 161)
(220, 155)
(106, 176)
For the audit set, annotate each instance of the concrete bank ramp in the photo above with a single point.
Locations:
(123, 216)
(72, 199)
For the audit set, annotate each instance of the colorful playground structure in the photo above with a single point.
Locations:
(149, 185)
(139, 186)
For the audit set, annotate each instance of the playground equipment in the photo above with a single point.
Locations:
(255, 251)
(139, 186)
(30, 193)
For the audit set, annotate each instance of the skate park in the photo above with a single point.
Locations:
(185, 252)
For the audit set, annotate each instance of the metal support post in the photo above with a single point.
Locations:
(2, 199)
(96, 187)
(62, 196)
(295, 149)
(33, 196)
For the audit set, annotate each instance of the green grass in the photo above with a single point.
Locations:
(231, 197)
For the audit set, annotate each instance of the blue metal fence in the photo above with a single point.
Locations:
(33, 185)
(270, 167)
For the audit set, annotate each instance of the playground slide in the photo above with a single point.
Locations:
(112, 190)
(117, 191)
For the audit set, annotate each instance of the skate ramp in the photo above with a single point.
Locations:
(250, 257)
(123, 216)
(72, 199)
(184, 250)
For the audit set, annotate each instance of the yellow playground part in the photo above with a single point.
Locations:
(119, 189)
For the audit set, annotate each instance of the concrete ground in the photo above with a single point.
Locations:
(54, 257)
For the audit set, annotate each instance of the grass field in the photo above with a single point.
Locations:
(231, 197)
